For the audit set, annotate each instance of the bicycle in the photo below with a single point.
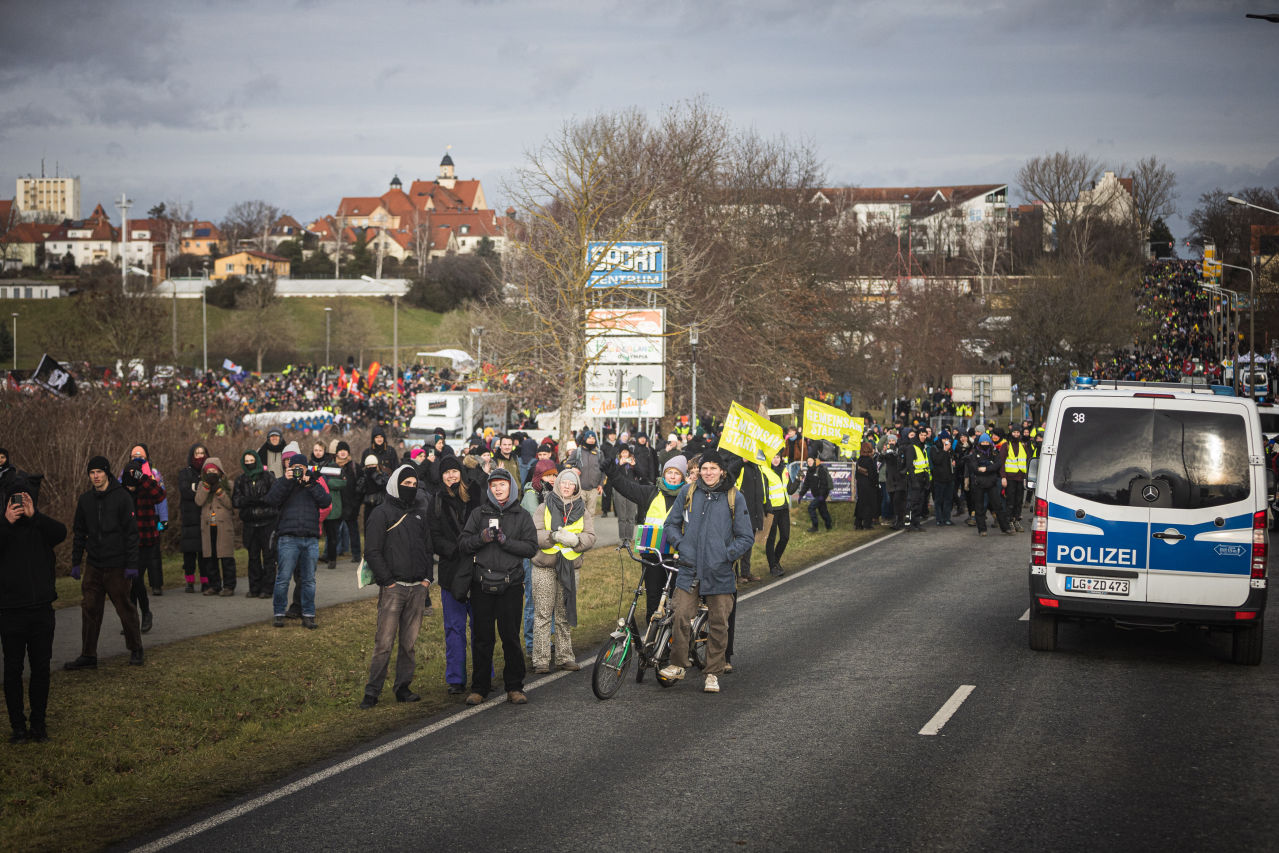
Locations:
(653, 647)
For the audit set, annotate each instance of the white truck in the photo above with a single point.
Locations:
(457, 413)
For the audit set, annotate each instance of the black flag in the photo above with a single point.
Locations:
(53, 376)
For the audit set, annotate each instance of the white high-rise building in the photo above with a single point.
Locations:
(48, 198)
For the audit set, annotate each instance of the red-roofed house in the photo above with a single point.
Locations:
(200, 238)
(285, 228)
(250, 264)
(21, 243)
(88, 240)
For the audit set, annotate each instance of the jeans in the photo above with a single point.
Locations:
(399, 610)
(302, 552)
(943, 501)
(818, 506)
(456, 616)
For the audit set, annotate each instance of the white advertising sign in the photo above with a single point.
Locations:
(625, 349)
(626, 321)
(603, 377)
(600, 404)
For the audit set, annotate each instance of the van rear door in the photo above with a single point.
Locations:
(1201, 498)
(1098, 532)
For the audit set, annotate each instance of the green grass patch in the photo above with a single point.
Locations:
(216, 716)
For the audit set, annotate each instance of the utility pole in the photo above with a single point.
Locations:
(124, 204)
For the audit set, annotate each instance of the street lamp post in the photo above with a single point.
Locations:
(1242, 203)
(692, 345)
(204, 313)
(478, 331)
(328, 314)
(15, 340)
(1252, 313)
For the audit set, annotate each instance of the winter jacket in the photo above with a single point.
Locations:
(384, 453)
(188, 479)
(146, 495)
(817, 482)
(104, 529)
(586, 459)
(891, 461)
(248, 495)
(562, 513)
(708, 537)
(942, 464)
(510, 463)
(983, 467)
(26, 560)
(500, 558)
(646, 467)
(350, 490)
(216, 511)
(371, 487)
(405, 552)
(299, 506)
(272, 458)
(448, 517)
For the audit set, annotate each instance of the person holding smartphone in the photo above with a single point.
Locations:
(27, 593)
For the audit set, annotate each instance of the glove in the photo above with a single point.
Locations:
(501, 535)
(159, 526)
(75, 573)
(135, 474)
(569, 538)
(131, 574)
(489, 534)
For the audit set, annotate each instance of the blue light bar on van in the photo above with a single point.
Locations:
(1082, 382)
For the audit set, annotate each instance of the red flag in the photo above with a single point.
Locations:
(341, 378)
(374, 367)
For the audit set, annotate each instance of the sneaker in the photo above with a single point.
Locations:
(474, 699)
(728, 668)
(457, 689)
(190, 587)
(82, 662)
(208, 590)
(516, 697)
(368, 701)
(135, 657)
(711, 685)
(309, 622)
(672, 672)
(146, 621)
(748, 578)
(570, 666)
(407, 696)
(278, 622)
(812, 529)
(777, 571)
(227, 592)
(156, 590)
(1017, 526)
(541, 669)
(981, 533)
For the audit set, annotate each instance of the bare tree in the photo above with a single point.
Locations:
(260, 326)
(1076, 203)
(250, 221)
(421, 240)
(1154, 194)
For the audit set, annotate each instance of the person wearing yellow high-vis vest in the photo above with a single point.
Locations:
(777, 506)
(653, 503)
(565, 531)
(1017, 456)
(918, 481)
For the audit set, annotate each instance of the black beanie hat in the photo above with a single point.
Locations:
(342, 445)
(713, 456)
(449, 463)
(99, 463)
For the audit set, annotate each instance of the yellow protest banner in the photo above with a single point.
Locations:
(751, 436)
(836, 426)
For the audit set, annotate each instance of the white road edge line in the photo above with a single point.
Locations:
(1025, 617)
(948, 710)
(377, 752)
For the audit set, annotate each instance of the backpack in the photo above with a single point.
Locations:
(732, 501)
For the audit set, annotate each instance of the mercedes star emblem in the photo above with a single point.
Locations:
(1150, 493)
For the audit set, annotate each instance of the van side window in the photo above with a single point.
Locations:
(1102, 452)
(1202, 455)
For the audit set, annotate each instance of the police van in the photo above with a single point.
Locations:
(1150, 504)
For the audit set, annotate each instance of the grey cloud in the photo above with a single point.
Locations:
(138, 107)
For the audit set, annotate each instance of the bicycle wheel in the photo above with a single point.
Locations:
(700, 640)
(610, 666)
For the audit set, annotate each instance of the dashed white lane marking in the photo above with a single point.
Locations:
(948, 710)
(1025, 617)
(355, 761)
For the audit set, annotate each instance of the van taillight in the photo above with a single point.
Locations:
(1039, 534)
(1260, 545)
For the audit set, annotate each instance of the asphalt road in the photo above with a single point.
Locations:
(1118, 741)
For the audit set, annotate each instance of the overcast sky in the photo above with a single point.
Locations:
(301, 103)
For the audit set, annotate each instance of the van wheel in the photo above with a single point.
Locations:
(1043, 631)
(1247, 645)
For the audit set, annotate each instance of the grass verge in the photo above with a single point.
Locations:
(216, 716)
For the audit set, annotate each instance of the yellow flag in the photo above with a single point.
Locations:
(752, 437)
(836, 426)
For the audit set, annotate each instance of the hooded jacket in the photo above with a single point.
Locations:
(104, 529)
(563, 512)
(188, 480)
(272, 458)
(500, 558)
(982, 466)
(709, 537)
(249, 494)
(147, 494)
(404, 553)
(26, 559)
(385, 454)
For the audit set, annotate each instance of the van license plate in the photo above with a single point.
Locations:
(1105, 586)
